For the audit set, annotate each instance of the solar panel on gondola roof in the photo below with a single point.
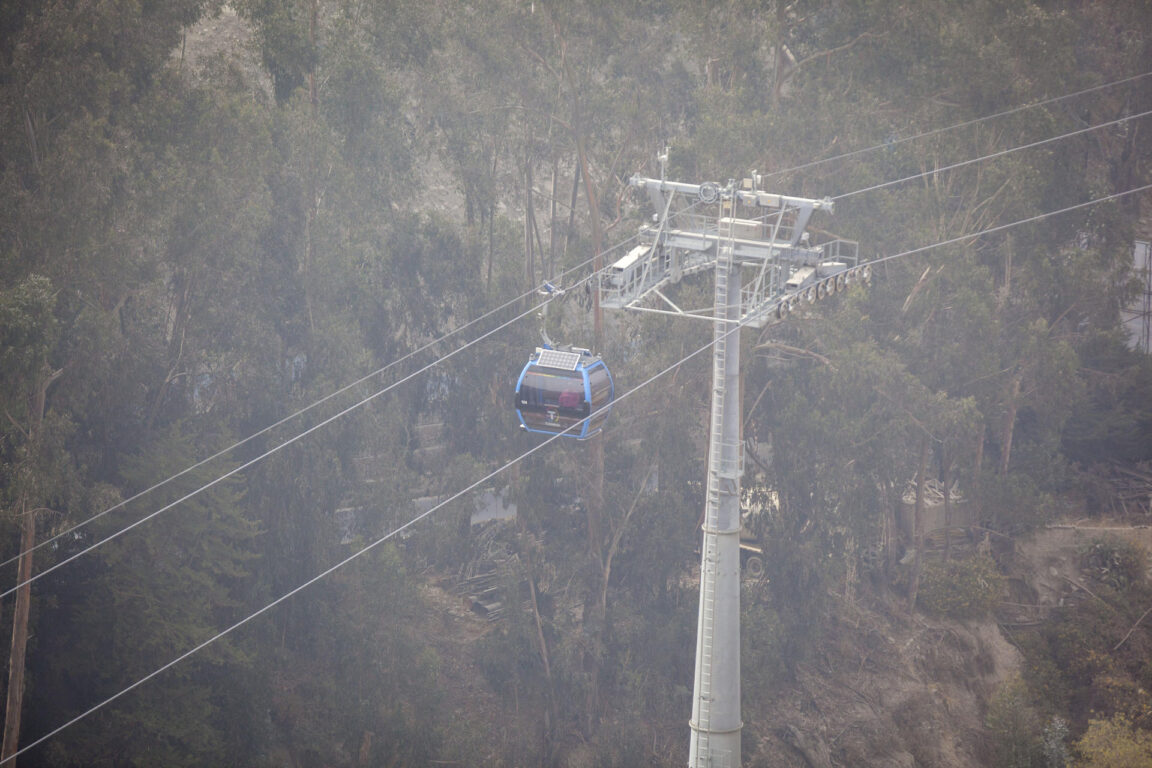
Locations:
(555, 358)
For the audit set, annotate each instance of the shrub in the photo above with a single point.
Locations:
(1118, 564)
(960, 589)
(1014, 726)
(1115, 743)
(1054, 744)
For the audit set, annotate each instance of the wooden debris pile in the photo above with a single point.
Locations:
(1127, 488)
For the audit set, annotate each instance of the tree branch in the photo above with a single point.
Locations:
(17, 425)
(828, 53)
(1133, 629)
(795, 351)
(916, 289)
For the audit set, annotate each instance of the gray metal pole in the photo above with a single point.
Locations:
(716, 723)
(789, 267)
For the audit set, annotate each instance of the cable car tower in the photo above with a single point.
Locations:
(765, 267)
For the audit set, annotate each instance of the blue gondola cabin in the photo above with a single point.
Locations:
(559, 389)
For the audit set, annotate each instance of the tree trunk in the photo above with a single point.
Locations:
(597, 235)
(529, 259)
(23, 607)
(489, 208)
(552, 214)
(946, 481)
(313, 23)
(572, 200)
(1012, 404)
(306, 264)
(595, 506)
(918, 523)
(888, 530)
(550, 717)
(19, 635)
(594, 624)
(183, 314)
(312, 206)
(977, 468)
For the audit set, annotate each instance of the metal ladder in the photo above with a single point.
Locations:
(707, 623)
(709, 566)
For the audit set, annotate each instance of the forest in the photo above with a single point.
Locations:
(269, 270)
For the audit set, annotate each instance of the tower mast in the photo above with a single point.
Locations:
(764, 267)
(715, 724)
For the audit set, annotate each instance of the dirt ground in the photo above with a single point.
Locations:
(1049, 559)
(888, 692)
(896, 692)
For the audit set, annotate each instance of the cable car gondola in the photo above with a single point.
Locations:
(560, 388)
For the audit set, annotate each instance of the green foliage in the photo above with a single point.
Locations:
(1117, 424)
(286, 49)
(765, 662)
(1014, 503)
(797, 579)
(510, 659)
(27, 331)
(1091, 659)
(651, 646)
(28, 339)
(1114, 743)
(139, 603)
(365, 680)
(1015, 727)
(1119, 564)
(961, 589)
(199, 258)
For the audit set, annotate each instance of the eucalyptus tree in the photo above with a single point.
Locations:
(37, 474)
(74, 223)
(135, 604)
